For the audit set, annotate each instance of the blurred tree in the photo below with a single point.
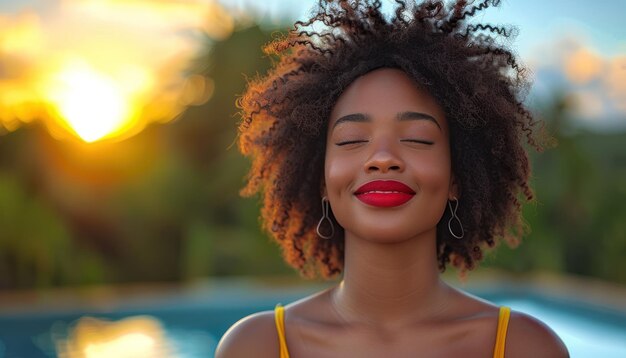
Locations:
(577, 220)
(35, 247)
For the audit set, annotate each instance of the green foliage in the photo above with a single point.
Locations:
(36, 250)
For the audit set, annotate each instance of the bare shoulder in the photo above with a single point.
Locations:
(252, 336)
(529, 337)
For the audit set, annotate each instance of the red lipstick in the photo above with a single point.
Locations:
(384, 193)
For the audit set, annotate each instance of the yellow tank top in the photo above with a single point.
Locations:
(498, 351)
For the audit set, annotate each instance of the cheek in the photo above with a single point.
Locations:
(337, 174)
(434, 173)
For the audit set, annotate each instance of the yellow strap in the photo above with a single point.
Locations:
(279, 317)
(503, 324)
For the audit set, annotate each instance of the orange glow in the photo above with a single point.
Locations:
(102, 69)
(92, 105)
(140, 336)
(22, 34)
(583, 66)
(128, 345)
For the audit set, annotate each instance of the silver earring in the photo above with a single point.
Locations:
(454, 217)
(325, 210)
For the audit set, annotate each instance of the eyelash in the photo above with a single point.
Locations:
(418, 141)
(351, 142)
(403, 140)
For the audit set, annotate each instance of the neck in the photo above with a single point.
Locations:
(387, 284)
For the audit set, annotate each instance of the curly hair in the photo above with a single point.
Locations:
(475, 78)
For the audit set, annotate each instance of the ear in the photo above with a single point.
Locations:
(454, 191)
(323, 190)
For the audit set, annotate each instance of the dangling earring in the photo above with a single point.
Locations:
(454, 217)
(325, 210)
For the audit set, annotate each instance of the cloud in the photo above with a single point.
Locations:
(596, 82)
(614, 81)
(139, 49)
(582, 66)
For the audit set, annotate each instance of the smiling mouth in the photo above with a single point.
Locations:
(384, 193)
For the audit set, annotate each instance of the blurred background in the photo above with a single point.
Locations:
(119, 176)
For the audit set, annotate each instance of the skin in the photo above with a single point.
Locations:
(391, 301)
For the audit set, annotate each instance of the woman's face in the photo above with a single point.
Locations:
(387, 170)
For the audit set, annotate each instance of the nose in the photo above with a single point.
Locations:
(383, 159)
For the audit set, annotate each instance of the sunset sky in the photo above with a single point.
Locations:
(132, 54)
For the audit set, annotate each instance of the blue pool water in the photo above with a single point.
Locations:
(192, 322)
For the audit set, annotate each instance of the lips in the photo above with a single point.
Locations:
(384, 193)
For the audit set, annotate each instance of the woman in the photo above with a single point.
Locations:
(385, 150)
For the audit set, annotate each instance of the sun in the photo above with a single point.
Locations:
(90, 103)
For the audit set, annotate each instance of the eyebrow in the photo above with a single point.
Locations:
(403, 116)
(355, 117)
(408, 116)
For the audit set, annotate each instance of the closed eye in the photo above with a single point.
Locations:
(350, 142)
(418, 141)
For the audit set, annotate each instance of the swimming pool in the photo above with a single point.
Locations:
(188, 324)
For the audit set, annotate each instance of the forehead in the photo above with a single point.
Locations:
(384, 93)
